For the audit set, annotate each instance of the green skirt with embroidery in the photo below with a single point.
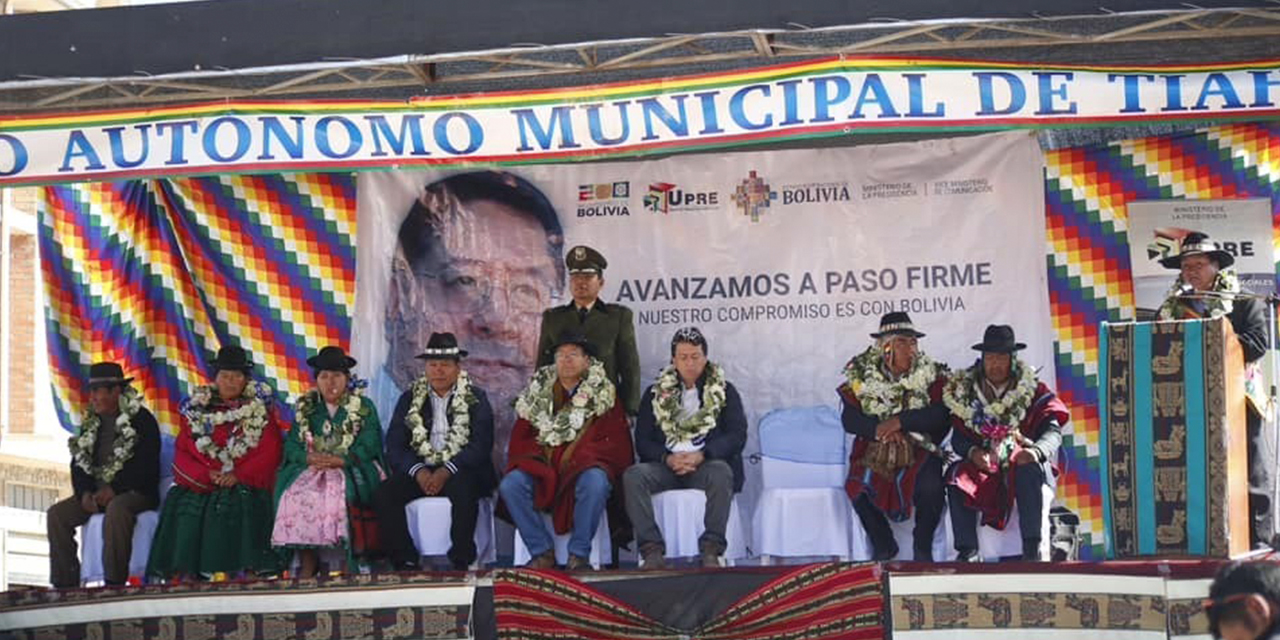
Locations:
(226, 531)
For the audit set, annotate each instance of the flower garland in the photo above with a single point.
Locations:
(84, 443)
(666, 405)
(881, 397)
(595, 396)
(250, 419)
(337, 444)
(972, 407)
(459, 427)
(1176, 307)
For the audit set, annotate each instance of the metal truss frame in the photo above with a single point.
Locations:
(529, 66)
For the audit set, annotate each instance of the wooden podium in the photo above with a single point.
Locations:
(1173, 450)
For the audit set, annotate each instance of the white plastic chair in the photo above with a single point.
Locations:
(429, 519)
(601, 545)
(679, 514)
(803, 511)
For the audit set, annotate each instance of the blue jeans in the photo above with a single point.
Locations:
(590, 494)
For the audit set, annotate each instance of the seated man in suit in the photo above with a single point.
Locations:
(1007, 430)
(115, 471)
(568, 448)
(689, 434)
(438, 444)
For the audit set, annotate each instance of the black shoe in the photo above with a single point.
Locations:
(968, 555)
(1031, 550)
(404, 565)
(884, 555)
(922, 555)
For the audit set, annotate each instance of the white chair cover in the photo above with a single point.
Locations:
(803, 511)
(679, 514)
(803, 523)
(429, 520)
(601, 546)
(144, 529)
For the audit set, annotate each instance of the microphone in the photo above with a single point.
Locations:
(1185, 290)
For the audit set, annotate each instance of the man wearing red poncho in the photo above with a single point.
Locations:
(1007, 430)
(568, 449)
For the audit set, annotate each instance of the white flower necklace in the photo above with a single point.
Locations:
(595, 396)
(881, 397)
(967, 403)
(328, 442)
(250, 419)
(666, 405)
(84, 443)
(459, 426)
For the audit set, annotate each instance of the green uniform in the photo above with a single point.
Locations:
(611, 330)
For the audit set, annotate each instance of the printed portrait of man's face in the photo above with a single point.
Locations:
(478, 256)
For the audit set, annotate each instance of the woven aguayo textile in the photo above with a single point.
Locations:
(382, 606)
(1173, 476)
(812, 602)
(1124, 600)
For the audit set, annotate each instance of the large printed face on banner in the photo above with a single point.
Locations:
(477, 258)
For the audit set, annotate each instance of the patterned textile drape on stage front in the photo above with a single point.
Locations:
(158, 274)
(1087, 190)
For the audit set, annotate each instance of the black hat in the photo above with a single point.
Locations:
(896, 323)
(107, 374)
(331, 358)
(998, 338)
(1196, 243)
(443, 346)
(584, 259)
(233, 358)
(573, 336)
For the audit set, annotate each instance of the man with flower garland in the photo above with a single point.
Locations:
(1205, 288)
(438, 444)
(892, 398)
(568, 448)
(689, 435)
(115, 471)
(1007, 430)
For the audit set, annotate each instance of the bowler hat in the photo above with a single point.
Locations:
(331, 358)
(573, 336)
(233, 358)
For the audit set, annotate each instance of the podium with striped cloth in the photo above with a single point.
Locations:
(1173, 450)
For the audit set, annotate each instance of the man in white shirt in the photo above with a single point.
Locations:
(435, 448)
(689, 435)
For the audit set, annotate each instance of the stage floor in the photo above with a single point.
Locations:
(1131, 600)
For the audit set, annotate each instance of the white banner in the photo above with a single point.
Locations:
(1241, 227)
(786, 260)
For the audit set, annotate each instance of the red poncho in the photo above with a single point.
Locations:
(605, 442)
(992, 494)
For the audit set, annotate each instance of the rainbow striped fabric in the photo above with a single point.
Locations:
(1087, 190)
(158, 274)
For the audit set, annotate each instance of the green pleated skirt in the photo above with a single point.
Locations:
(226, 531)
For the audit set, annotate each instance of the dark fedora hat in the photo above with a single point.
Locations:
(1196, 243)
(573, 336)
(896, 323)
(232, 358)
(331, 358)
(442, 346)
(107, 374)
(998, 338)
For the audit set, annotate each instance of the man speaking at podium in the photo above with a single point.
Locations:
(1207, 287)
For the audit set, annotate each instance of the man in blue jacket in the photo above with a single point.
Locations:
(438, 444)
(690, 431)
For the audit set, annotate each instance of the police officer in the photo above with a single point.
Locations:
(609, 327)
